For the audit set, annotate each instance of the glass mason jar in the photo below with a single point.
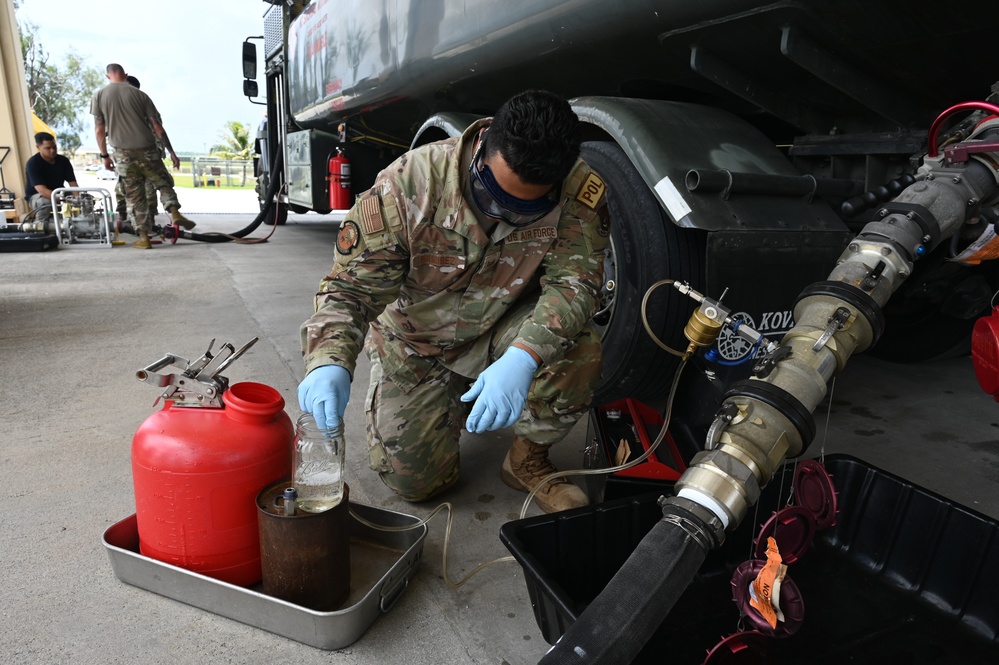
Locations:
(318, 465)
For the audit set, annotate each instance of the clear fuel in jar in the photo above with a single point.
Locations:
(318, 465)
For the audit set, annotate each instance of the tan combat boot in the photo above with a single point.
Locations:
(180, 220)
(527, 464)
(143, 241)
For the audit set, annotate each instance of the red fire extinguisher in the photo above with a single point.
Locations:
(199, 463)
(339, 180)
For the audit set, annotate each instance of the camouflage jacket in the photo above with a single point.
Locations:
(414, 263)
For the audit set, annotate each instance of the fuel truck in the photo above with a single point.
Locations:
(819, 177)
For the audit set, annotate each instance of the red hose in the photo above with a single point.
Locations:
(963, 106)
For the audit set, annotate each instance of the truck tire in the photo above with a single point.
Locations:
(645, 247)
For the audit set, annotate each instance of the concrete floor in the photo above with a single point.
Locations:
(75, 325)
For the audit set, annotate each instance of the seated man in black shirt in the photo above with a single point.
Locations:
(46, 172)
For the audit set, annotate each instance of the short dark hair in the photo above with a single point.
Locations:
(42, 137)
(132, 81)
(537, 133)
(114, 68)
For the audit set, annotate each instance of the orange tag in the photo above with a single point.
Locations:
(985, 248)
(767, 585)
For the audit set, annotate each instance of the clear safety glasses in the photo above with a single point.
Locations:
(496, 204)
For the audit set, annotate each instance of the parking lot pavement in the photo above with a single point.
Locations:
(75, 325)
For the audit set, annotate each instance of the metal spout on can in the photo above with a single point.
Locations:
(290, 498)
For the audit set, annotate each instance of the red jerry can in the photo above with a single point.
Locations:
(985, 352)
(198, 465)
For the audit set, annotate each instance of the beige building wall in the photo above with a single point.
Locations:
(15, 114)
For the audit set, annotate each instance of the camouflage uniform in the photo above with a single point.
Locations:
(444, 300)
(119, 193)
(127, 113)
(168, 194)
(141, 173)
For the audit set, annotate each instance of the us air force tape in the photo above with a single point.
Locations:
(348, 237)
(591, 191)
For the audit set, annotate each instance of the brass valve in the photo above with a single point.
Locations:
(702, 328)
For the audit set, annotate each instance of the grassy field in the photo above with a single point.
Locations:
(187, 180)
(184, 178)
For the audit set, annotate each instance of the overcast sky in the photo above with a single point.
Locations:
(185, 53)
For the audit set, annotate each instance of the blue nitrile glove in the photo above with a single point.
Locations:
(324, 393)
(500, 391)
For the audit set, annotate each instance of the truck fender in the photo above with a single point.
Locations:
(666, 140)
(444, 125)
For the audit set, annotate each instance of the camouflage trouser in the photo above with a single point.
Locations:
(119, 197)
(413, 436)
(135, 168)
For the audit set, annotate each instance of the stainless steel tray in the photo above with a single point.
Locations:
(382, 564)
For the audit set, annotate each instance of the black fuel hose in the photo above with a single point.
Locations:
(272, 189)
(617, 624)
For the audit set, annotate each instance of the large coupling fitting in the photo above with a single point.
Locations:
(725, 483)
(761, 434)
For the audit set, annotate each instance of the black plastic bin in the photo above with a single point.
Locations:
(904, 576)
(16, 241)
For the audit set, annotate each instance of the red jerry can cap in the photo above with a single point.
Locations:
(985, 352)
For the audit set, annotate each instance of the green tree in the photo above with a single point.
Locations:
(59, 94)
(235, 142)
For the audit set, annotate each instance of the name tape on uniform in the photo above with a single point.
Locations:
(439, 261)
(525, 235)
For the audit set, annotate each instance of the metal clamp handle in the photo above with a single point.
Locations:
(235, 354)
(149, 375)
(200, 382)
(833, 325)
